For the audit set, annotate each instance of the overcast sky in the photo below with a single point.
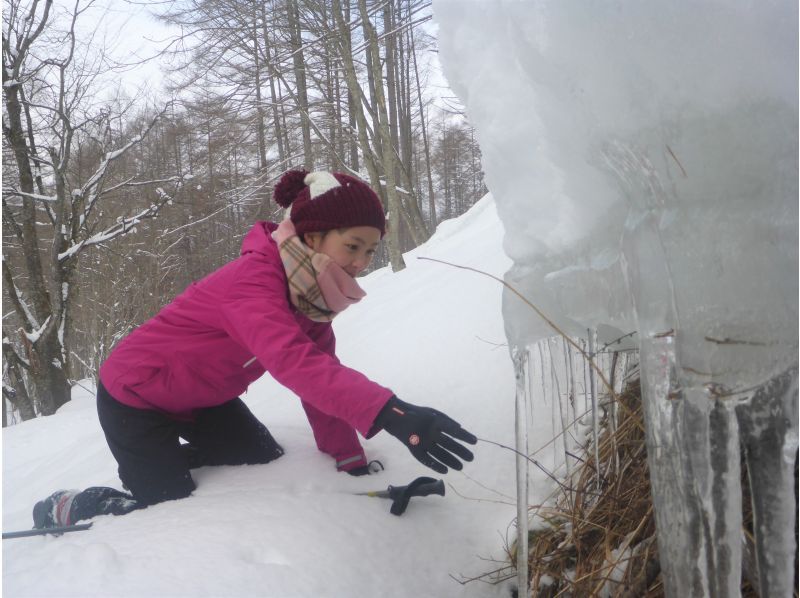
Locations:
(128, 31)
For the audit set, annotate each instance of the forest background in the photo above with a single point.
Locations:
(120, 189)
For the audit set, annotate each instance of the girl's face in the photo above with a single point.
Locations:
(351, 248)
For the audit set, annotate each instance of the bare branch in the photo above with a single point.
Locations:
(87, 190)
(35, 196)
(123, 226)
(17, 300)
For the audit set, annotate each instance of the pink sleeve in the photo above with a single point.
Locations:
(333, 435)
(337, 438)
(256, 314)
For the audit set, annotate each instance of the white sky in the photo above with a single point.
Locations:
(129, 33)
(133, 37)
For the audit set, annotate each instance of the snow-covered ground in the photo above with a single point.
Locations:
(294, 527)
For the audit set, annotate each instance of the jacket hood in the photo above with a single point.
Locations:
(259, 239)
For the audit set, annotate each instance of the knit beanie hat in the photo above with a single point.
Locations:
(323, 201)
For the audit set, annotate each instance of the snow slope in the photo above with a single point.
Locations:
(293, 528)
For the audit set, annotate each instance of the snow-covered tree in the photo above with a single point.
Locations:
(64, 143)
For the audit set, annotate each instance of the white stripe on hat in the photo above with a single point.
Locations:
(320, 182)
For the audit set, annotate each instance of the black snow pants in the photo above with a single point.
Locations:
(154, 465)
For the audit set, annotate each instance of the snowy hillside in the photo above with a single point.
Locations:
(294, 527)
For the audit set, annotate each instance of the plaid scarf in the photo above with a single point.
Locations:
(318, 287)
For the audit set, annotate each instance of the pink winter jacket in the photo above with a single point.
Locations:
(223, 332)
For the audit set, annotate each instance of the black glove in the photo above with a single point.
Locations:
(428, 434)
(372, 467)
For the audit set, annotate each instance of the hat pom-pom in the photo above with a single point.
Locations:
(291, 183)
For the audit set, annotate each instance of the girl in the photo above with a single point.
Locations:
(179, 375)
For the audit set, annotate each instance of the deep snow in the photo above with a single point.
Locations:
(432, 333)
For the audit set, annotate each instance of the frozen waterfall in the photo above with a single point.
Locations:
(643, 157)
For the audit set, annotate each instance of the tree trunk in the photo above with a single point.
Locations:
(15, 136)
(351, 99)
(356, 99)
(260, 116)
(391, 77)
(277, 124)
(16, 392)
(298, 61)
(341, 150)
(406, 128)
(425, 143)
(412, 217)
(384, 134)
(49, 380)
(334, 121)
(45, 352)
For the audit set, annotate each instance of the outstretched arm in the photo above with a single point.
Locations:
(257, 314)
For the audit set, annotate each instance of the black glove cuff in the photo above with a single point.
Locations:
(373, 466)
(387, 414)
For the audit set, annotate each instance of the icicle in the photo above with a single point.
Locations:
(520, 357)
(712, 463)
(570, 369)
(692, 438)
(585, 379)
(530, 376)
(543, 370)
(563, 415)
(595, 419)
(612, 407)
(768, 426)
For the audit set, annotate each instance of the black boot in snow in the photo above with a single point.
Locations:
(102, 500)
(54, 511)
(67, 507)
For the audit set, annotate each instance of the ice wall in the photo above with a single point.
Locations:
(643, 156)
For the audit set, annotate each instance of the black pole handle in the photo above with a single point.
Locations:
(422, 486)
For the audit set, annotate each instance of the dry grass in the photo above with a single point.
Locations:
(600, 537)
(602, 534)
